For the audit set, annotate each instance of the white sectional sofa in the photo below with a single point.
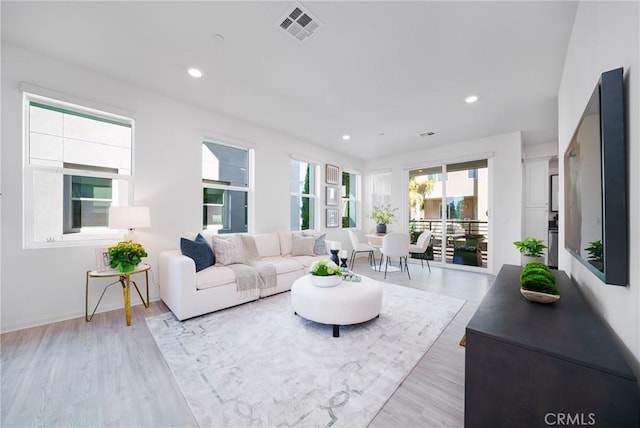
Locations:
(189, 293)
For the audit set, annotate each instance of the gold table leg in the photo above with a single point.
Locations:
(126, 290)
(125, 280)
(88, 317)
(146, 304)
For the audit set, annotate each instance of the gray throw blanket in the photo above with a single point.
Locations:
(254, 275)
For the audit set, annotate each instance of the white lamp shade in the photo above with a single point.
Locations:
(129, 217)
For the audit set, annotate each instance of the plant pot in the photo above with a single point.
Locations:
(325, 281)
(126, 267)
(381, 228)
(528, 259)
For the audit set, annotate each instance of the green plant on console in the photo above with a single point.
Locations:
(537, 276)
(126, 255)
(531, 247)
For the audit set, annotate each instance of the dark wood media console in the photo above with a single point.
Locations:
(535, 365)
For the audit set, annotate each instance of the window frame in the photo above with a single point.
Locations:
(87, 236)
(357, 200)
(212, 184)
(312, 195)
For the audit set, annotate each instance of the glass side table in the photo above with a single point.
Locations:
(124, 278)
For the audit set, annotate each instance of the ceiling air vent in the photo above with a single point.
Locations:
(299, 23)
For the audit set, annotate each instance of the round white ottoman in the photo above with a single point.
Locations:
(346, 303)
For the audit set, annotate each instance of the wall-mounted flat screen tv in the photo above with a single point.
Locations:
(595, 184)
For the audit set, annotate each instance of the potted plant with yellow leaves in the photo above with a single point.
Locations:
(126, 255)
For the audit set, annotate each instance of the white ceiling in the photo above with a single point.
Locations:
(382, 72)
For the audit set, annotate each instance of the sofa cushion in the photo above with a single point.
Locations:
(307, 261)
(214, 276)
(302, 245)
(250, 250)
(199, 250)
(267, 244)
(285, 242)
(228, 251)
(319, 247)
(284, 264)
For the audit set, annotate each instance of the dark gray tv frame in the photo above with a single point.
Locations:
(615, 229)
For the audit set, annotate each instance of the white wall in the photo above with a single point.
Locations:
(44, 285)
(543, 150)
(505, 186)
(606, 36)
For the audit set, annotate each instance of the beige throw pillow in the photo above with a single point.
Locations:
(228, 251)
(302, 246)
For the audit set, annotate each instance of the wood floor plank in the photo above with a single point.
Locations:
(105, 374)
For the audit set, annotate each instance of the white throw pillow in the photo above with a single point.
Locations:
(302, 245)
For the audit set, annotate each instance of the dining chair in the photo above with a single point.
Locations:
(419, 249)
(395, 244)
(375, 241)
(359, 247)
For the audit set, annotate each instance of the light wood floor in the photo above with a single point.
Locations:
(105, 374)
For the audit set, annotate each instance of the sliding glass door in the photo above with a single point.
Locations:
(452, 201)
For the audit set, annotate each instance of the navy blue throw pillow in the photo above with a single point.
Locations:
(199, 250)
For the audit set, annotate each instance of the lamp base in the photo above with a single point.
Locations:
(130, 235)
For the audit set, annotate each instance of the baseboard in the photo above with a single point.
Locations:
(6, 328)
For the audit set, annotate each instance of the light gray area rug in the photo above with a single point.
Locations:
(258, 364)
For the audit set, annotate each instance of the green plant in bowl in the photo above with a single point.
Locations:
(324, 268)
(537, 276)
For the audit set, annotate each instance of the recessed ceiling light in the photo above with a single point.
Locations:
(471, 99)
(346, 137)
(194, 72)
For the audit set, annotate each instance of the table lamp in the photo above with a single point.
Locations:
(129, 218)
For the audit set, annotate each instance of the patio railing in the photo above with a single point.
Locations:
(456, 231)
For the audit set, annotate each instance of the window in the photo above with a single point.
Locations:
(381, 189)
(349, 199)
(303, 197)
(225, 187)
(87, 201)
(77, 164)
